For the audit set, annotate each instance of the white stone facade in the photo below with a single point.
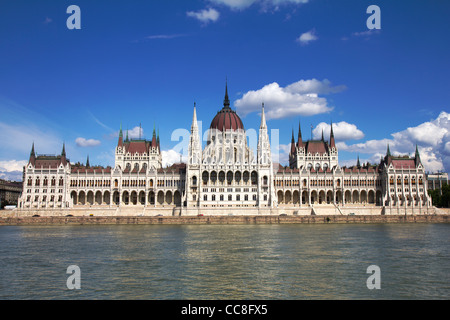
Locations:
(226, 177)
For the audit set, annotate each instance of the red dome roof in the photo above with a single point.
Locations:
(226, 119)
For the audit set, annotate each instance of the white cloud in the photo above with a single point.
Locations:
(164, 36)
(314, 86)
(82, 142)
(11, 175)
(244, 4)
(12, 165)
(300, 98)
(170, 157)
(307, 37)
(432, 138)
(367, 33)
(342, 131)
(12, 169)
(134, 133)
(205, 15)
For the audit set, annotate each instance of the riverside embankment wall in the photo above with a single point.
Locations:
(191, 220)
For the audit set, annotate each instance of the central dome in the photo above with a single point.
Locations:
(226, 119)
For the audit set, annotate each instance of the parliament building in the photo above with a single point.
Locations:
(226, 177)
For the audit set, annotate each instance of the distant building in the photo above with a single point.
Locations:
(10, 192)
(437, 180)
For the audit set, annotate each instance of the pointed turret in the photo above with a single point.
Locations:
(157, 141)
(299, 140)
(126, 139)
(120, 143)
(263, 118)
(292, 143)
(154, 142)
(358, 164)
(195, 147)
(63, 154)
(417, 157)
(388, 152)
(226, 101)
(32, 155)
(87, 162)
(332, 142)
(194, 117)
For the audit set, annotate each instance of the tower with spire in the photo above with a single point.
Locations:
(264, 165)
(313, 154)
(137, 154)
(193, 167)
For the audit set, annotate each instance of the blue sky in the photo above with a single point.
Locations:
(146, 62)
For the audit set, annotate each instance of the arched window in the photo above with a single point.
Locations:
(229, 177)
(205, 177)
(254, 178)
(194, 180)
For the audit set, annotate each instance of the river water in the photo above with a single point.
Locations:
(257, 262)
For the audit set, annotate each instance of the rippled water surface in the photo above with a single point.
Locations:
(226, 261)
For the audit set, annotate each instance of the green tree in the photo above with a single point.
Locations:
(445, 197)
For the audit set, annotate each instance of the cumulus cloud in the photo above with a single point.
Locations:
(205, 15)
(12, 165)
(170, 157)
(12, 169)
(82, 142)
(307, 37)
(300, 98)
(136, 133)
(432, 138)
(342, 131)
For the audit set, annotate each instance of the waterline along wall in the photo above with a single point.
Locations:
(223, 220)
(141, 211)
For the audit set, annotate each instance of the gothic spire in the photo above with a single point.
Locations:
(332, 142)
(388, 153)
(63, 152)
(32, 153)
(417, 158)
(87, 162)
(292, 142)
(263, 117)
(226, 101)
(300, 141)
